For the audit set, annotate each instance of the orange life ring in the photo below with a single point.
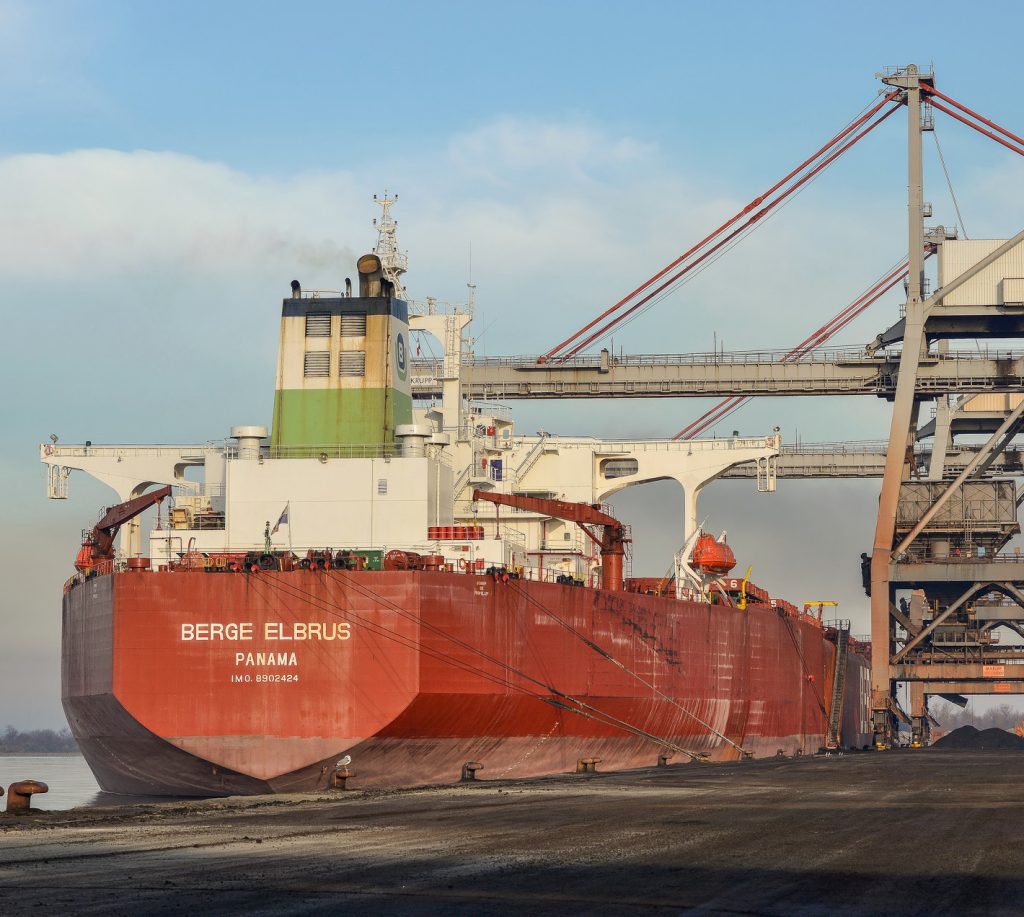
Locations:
(463, 563)
(48, 450)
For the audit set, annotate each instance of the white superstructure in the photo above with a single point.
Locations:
(254, 496)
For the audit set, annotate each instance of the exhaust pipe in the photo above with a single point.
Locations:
(371, 277)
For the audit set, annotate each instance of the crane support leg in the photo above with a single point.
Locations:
(901, 430)
(920, 724)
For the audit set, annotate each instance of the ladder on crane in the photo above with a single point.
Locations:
(835, 710)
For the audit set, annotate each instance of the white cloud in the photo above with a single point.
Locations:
(91, 212)
(501, 152)
(565, 220)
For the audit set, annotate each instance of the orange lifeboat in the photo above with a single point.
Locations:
(713, 556)
(84, 561)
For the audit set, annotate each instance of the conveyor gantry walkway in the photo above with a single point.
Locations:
(865, 460)
(830, 371)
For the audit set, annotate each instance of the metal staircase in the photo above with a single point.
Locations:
(531, 459)
(835, 710)
(461, 481)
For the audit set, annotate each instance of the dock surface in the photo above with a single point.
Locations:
(907, 832)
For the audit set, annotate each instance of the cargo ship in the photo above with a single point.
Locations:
(385, 591)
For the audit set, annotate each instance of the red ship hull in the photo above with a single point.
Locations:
(192, 683)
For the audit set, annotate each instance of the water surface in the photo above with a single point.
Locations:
(68, 776)
(70, 781)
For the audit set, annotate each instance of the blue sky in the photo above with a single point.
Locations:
(167, 169)
(275, 88)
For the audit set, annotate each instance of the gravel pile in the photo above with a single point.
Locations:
(967, 737)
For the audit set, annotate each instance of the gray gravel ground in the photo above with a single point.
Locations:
(910, 832)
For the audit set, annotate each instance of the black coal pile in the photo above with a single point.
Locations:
(969, 738)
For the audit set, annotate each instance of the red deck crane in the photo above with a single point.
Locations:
(612, 542)
(99, 543)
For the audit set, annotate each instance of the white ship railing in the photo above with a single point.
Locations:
(327, 451)
(432, 306)
(491, 409)
(199, 489)
(155, 451)
(602, 446)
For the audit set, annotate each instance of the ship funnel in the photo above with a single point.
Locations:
(343, 362)
(371, 276)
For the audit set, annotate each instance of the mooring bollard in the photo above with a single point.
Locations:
(469, 770)
(341, 773)
(587, 765)
(19, 795)
(663, 758)
(340, 778)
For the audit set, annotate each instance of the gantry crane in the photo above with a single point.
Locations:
(941, 642)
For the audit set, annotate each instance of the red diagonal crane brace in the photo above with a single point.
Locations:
(557, 352)
(979, 128)
(727, 405)
(932, 92)
(589, 333)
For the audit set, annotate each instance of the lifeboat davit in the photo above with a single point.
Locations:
(713, 556)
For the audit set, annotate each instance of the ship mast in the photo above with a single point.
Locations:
(393, 262)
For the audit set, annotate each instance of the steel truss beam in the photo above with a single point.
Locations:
(936, 621)
(722, 375)
(1013, 685)
(942, 673)
(995, 445)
